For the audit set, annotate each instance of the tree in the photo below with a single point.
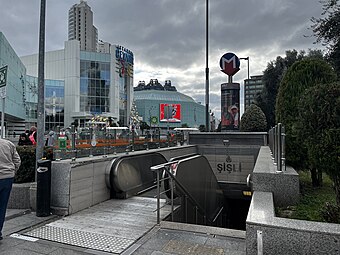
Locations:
(253, 120)
(319, 110)
(272, 77)
(300, 76)
(327, 31)
(184, 125)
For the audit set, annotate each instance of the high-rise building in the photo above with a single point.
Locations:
(251, 87)
(81, 28)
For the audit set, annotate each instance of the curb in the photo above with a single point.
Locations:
(18, 214)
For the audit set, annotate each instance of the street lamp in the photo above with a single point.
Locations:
(207, 67)
(247, 58)
(41, 85)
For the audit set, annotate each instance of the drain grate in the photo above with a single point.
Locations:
(82, 239)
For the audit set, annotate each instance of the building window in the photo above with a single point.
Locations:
(94, 87)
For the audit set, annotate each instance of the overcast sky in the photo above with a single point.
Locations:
(167, 37)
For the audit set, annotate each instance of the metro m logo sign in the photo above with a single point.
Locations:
(230, 64)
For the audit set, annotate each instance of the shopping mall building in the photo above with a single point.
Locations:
(95, 83)
(165, 107)
(79, 85)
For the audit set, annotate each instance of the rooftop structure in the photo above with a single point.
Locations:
(155, 85)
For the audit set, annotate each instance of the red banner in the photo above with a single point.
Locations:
(170, 113)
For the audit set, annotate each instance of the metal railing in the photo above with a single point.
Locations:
(276, 141)
(95, 143)
(159, 169)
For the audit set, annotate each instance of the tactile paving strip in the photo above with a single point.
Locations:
(82, 239)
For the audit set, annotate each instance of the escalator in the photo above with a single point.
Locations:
(197, 197)
(195, 184)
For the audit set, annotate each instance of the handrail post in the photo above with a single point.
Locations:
(56, 148)
(283, 156)
(172, 197)
(275, 145)
(158, 199)
(279, 148)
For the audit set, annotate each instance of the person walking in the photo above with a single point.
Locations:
(9, 164)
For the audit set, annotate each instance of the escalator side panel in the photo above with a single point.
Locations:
(196, 175)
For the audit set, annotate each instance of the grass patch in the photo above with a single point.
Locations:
(312, 200)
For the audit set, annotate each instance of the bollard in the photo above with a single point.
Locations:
(43, 201)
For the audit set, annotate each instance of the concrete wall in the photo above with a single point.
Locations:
(283, 185)
(20, 196)
(286, 236)
(235, 138)
(274, 235)
(79, 184)
(242, 150)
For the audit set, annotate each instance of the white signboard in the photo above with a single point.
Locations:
(3, 92)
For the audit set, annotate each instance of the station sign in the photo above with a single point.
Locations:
(125, 55)
(154, 120)
(3, 76)
(230, 64)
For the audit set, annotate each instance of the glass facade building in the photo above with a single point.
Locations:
(95, 83)
(94, 87)
(54, 102)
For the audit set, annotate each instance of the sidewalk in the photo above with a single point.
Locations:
(166, 239)
(20, 220)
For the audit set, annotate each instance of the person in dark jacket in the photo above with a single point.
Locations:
(24, 140)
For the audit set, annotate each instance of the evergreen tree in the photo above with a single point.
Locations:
(253, 120)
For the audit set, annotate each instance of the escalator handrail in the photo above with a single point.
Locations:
(163, 166)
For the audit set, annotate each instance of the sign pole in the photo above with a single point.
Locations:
(3, 83)
(3, 118)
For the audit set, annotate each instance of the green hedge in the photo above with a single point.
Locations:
(26, 172)
(253, 120)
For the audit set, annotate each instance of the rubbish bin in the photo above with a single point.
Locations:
(43, 188)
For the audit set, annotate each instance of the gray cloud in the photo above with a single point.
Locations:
(168, 36)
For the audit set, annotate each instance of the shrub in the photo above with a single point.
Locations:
(26, 172)
(253, 120)
(331, 213)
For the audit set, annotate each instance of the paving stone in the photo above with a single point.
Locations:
(37, 247)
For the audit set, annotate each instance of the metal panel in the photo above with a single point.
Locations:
(196, 175)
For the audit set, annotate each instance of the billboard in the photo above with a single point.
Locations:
(170, 113)
(230, 104)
